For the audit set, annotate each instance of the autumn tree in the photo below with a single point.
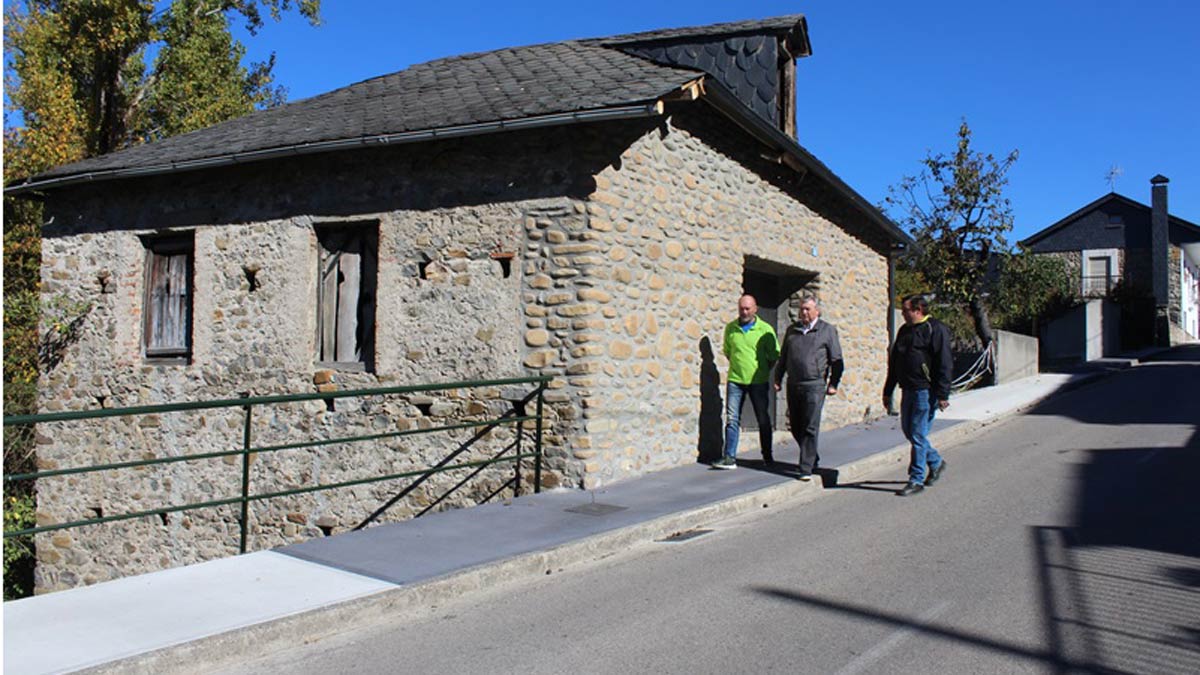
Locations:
(958, 216)
(88, 77)
(1031, 288)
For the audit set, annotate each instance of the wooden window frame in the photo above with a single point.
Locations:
(165, 247)
(337, 242)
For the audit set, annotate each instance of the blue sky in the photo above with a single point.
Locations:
(1077, 87)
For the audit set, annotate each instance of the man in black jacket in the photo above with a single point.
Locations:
(922, 364)
(811, 357)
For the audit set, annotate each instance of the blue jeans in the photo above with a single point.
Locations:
(760, 400)
(916, 416)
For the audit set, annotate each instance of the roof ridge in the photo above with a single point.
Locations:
(776, 24)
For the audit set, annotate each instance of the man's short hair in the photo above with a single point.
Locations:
(917, 301)
(810, 298)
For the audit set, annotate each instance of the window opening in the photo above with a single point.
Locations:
(167, 307)
(346, 293)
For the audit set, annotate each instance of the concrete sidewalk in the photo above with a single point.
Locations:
(218, 613)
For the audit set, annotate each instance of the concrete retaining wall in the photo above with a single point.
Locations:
(1016, 356)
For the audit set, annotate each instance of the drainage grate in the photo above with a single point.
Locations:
(595, 509)
(685, 535)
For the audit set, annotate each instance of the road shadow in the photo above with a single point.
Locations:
(919, 625)
(888, 486)
(1132, 396)
(1118, 585)
(1177, 354)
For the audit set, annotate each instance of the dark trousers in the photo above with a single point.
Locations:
(805, 401)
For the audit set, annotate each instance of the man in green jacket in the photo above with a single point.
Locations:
(752, 348)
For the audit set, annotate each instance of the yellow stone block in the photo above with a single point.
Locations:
(620, 349)
(541, 358)
(582, 309)
(536, 337)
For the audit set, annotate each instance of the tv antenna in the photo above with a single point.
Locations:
(1114, 172)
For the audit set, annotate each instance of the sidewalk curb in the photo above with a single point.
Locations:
(236, 645)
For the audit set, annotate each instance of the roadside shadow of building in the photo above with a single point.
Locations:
(1119, 585)
(1117, 578)
(710, 437)
(1119, 581)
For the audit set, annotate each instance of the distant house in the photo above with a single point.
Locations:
(1118, 240)
(589, 210)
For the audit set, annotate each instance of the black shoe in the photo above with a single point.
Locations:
(768, 458)
(935, 474)
(910, 489)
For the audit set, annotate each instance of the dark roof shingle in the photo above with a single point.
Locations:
(506, 84)
(772, 25)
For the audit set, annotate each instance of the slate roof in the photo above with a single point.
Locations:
(507, 84)
(483, 92)
(1183, 225)
(779, 25)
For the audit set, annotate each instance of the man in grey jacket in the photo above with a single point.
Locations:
(811, 358)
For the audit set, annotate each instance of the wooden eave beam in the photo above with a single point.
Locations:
(690, 91)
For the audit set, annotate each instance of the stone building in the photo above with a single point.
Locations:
(588, 210)
(1151, 253)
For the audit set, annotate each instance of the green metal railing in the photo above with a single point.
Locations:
(516, 415)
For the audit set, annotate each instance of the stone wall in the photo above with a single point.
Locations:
(674, 221)
(1073, 261)
(608, 256)
(437, 214)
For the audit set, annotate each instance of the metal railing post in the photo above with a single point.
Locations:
(537, 463)
(245, 519)
(520, 412)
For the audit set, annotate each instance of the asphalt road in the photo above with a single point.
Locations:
(1063, 540)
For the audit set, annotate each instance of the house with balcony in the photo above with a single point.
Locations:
(1117, 246)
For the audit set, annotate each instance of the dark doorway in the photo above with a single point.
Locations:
(772, 285)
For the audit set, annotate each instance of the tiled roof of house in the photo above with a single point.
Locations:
(1187, 229)
(502, 85)
(626, 75)
(506, 84)
(771, 26)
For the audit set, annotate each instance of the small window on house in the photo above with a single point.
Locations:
(167, 308)
(1115, 220)
(346, 294)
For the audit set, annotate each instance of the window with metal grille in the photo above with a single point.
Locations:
(167, 306)
(1098, 278)
(346, 294)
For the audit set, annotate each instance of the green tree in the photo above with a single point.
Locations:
(957, 213)
(1031, 289)
(79, 84)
